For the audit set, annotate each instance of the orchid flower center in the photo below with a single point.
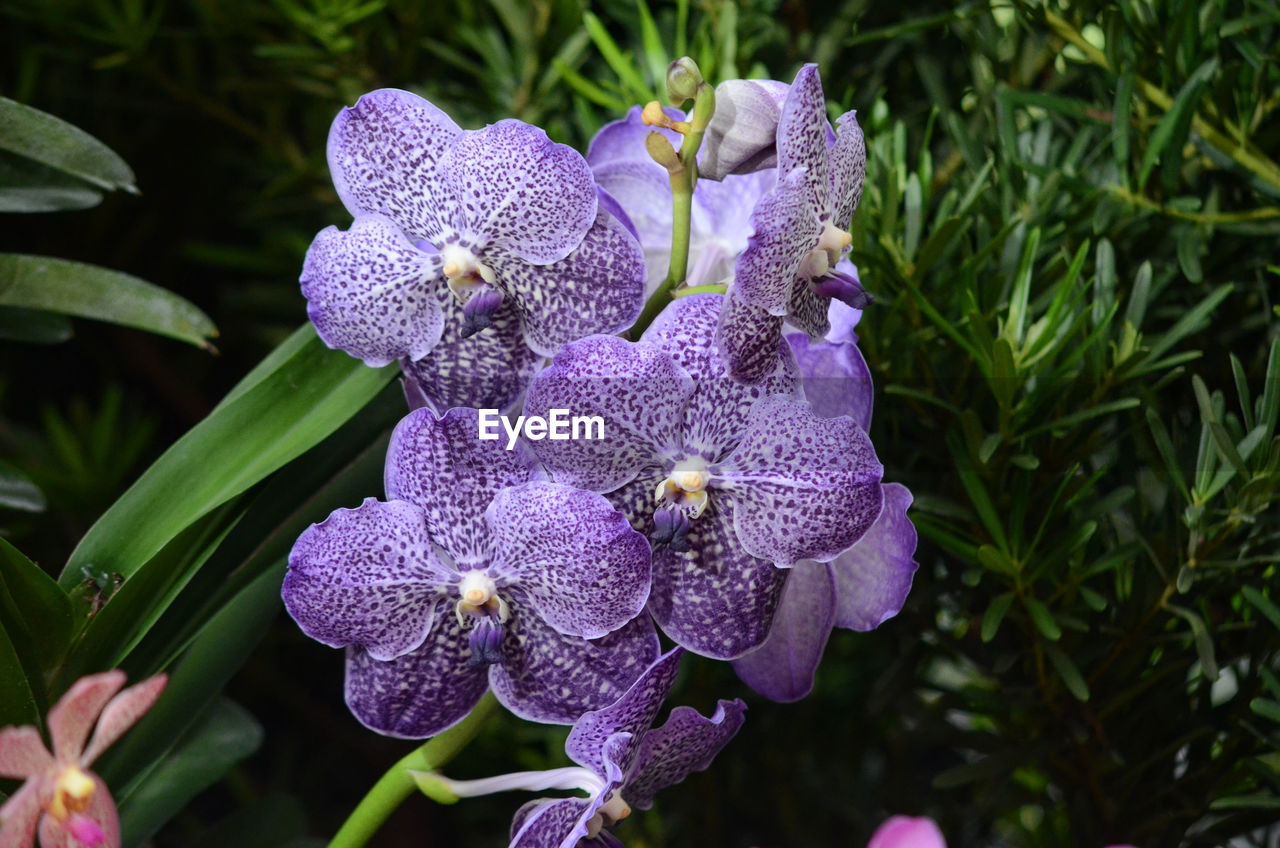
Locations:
(685, 487)
(823, 258)
(612, 811)
(481, 605)
(464, 271)
(71, 793)
(478, 598)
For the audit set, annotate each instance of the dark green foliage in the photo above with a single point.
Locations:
(1069, 226)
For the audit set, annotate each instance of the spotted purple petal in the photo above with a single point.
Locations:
(837, 380)
(687, 743)
(370, 292)
(787, 227)
(598, 288)
(421, 693)
(783, 668)
(633, 714)
(383, 154)
(581, 566)
(715, 416)
(803, 137)
(519, 192)
(748, 339)
(637, 390)
(804, 487)
(488, 370)
(367, 577)
(874, 576)
(848, 169)
(549, 677)
(447, 470)
(714, 599)
(808, 310)
(548, 823)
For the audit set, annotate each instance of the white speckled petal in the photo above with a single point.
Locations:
(783, 668)
(632, 714)
(553, 823)
(786, 228)
(716, 415)
(686, 743)
(805, 487)
(808, 310)
(447, 470)
(370, 292)
(519, 192)
(715, 599)
(383, 154)
(598, 288)
(836, 378)
(488, 370)
(421, 693)
(874, 576)
(582, 567)
(552, 678)
(803, 136)
(848, 169)
(367, 577)
(748, 339)
(638, 391)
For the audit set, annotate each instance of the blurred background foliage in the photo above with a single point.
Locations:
(1070, 227)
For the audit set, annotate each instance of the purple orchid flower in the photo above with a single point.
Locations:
(459, 233)
(720, 224)
(623, 761)
(907, 832)
(473, 575)
(862, 587)
(733, 483)
(789, 269)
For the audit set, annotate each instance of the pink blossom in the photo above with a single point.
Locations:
(907, 832)
(71, 804)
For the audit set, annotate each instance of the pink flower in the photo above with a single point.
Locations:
(907, 832)
(71, 804)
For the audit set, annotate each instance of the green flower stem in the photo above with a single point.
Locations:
(1240, 151)
(397, 784)
(709, 288)
(683, 182)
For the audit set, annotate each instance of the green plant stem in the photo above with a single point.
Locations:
(683, 182)
(396, 785)
(1239, 150)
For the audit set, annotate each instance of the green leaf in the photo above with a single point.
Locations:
(87, 291)
(1068, 671)
(1180, 112)
(34, 326)
(655, 55)
(277, 419)
(54, 142)
(977, 490)
(225, 735)
(1270, 404)
(1004, 379)
(1120, 140)
(1266, 708)
(613, 55)
(17, 702)
(1015, 323)
(913, 218)
(1164, 446)
(994, 615)
(1263, 604)
(1203, 643)
(1189, 257)
(27, 186)
(1043, 619)
(18, 492)
(35, 611)
(938, 243)
(1257, 801)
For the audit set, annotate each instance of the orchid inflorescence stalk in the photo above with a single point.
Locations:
(730, 498)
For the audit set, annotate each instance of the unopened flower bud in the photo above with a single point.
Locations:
(662, 152)
(742, 135)
(683, 79)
